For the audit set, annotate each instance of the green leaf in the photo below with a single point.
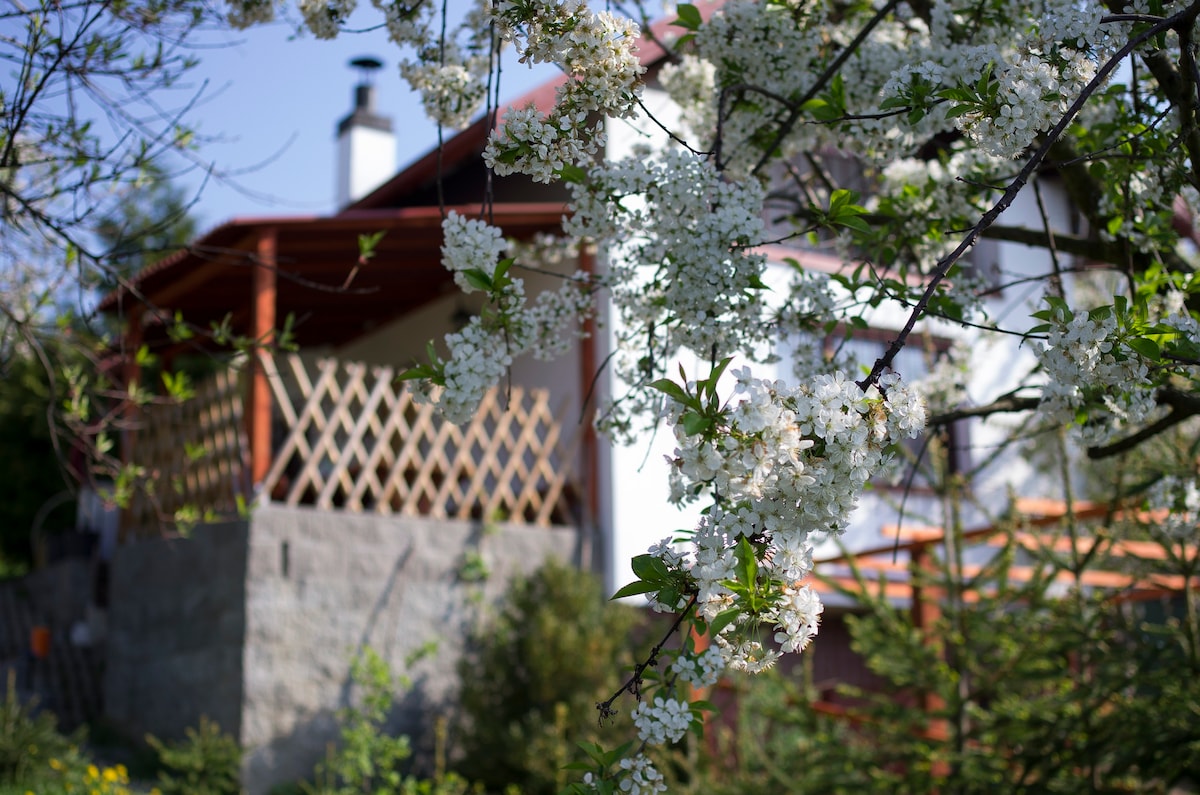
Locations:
(1146, 347)
(572, 173)
(694, 423)
(674, 391)
(959, 110)
(723, 619)
(651, 569)
(635, 588)
(716, 374)
(478, 279)
(689, 17)
(855, 223)
(747, 568)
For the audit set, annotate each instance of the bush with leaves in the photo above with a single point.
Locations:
(1026, 690)
(369, 760)
(534, 674)
(29, 740)
(207, 762)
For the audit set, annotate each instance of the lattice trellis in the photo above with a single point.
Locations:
(192, 453)
(352, 438)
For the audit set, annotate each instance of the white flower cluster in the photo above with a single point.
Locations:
(478, 359)
(681, 235)
(603, 79)
(1087, 364)
(1179, 501)
(700, 670)
(664, 721)
(245, 13)
(451, 92)
(1037, 73)
(470, 244)
(782, 50)
(797, 616)
(944, 387)
(408, 22)
(481, 353)
(641, 777)
(449, 68)
(325, 17)
(691, 83)
(784, 463)
(747, 656)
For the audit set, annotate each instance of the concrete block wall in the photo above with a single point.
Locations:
(294, 594)
(176, 630)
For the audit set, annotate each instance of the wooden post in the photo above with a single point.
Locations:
(131, 376)
(263, 334)
(590, 451)
(926, 611)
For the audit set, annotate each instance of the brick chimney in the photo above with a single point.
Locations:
(365, 141)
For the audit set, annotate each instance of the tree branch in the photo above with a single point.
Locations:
(1183, 406)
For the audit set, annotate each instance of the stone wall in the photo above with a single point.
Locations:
(255, 624)
(175, 632)
(323, 586)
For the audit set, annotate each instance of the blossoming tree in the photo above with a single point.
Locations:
(947, 111)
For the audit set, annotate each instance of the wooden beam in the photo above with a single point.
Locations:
(263, 332)
(926, 611)
(131, 373)
(590, 447)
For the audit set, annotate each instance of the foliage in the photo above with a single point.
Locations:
(532, 678)
(207, 762)
(29, 741)
(78, 776)
(32, 467)
(90, 132)
(1028, 689)
(368, 760)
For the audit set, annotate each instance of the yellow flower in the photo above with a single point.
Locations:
(93, 772)
(57, 765)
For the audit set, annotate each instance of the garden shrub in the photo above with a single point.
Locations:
(533, 675)
(29, 740)
(208, 762)
(368, 760)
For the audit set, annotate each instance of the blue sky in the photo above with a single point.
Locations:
(271, 100)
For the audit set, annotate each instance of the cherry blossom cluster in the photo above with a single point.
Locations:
(782, 464)
(699, 670)
(324, 18)
(683, 272)
(1088, 364)
(641, 777)
(470, 244)
(448, 70)
(481, 353)
(558, 316)
(665, 720)
(597, 53)
(780, 50)
(1177, 499)
(451, 91)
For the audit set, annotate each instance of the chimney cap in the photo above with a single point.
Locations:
(366, 64)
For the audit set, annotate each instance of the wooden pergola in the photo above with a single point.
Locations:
(247, 275)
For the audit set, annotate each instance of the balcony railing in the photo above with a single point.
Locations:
(349, 437)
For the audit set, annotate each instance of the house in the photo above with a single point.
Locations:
(349, 514)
